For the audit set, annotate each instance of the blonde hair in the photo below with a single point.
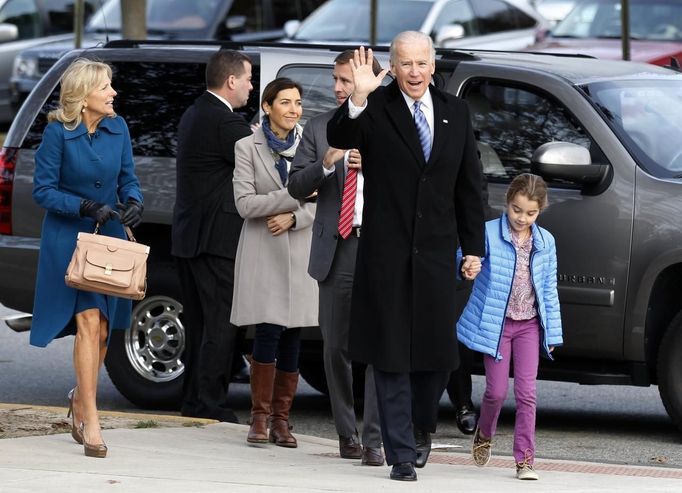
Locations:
(531, 186)
(78, 80)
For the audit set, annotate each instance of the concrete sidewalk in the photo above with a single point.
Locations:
(216, 458)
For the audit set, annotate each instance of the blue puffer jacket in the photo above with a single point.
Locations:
(480, 326)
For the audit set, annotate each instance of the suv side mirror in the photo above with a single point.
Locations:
(568, 162)
(8, 32)
(290, 27)
(450, 32)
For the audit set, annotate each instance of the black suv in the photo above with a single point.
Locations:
(593, 128)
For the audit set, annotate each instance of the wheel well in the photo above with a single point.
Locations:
(665, 302)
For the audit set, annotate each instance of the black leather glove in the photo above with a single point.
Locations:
(131, 213)
(101, 213)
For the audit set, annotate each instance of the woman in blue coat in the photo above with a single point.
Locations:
(84, 173)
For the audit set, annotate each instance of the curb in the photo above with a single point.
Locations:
(113, 414)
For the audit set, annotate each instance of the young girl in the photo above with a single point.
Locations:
(513, 312)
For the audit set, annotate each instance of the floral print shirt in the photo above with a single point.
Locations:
(522, 299)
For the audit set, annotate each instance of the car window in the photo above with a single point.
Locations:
(163, 15)
(150, 105)
(646, 114)
(60, 14)
(271, 14)
(511, 121)
(496, 16)
(318, 87)
(649, 20)
(348, 20)
(457, 12)
(23, 14)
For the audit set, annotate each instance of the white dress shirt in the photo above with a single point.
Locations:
(222, 99)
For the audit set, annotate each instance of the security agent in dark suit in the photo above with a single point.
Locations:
(422, 192)
(320, 171)
(206, 228)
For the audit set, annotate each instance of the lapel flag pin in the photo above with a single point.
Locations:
(445, 121)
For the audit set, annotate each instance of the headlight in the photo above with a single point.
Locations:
(25, 67)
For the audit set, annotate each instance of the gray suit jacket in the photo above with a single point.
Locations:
(306, 176)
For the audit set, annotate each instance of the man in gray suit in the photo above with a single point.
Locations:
(318, 173)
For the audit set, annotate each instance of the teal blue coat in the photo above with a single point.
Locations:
(71, 166)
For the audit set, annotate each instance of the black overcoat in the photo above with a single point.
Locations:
(205, 219)
(403, 307)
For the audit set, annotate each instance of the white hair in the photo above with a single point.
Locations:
(410, 37)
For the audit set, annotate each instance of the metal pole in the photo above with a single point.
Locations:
(373, 22)
(625, 29)
(78, 18)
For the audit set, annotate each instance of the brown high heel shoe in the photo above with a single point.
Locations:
(75, 431)
(99, 450)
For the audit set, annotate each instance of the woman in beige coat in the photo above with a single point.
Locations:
(272, 289)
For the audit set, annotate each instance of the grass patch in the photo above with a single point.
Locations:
(195, 424)
(147, 424)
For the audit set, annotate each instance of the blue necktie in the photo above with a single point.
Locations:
(422, 130)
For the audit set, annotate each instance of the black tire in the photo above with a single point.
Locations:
(144, 362)
(670, 370)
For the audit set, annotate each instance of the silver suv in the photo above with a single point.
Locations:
(602, 133)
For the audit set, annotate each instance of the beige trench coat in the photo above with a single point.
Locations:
(271, 282)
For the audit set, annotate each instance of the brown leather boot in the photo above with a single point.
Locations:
(262, 380)
(282, 397)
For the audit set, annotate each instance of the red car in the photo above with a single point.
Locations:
(593, 27)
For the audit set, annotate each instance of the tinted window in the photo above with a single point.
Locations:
(457, 12)
(60, 14)
(318, 87)
(23, 14)
(649, 19)
(348, 20)
(271, 14)
(510, 122)
(493, 16)
(151, 105)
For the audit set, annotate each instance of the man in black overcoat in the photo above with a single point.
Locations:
(206, 228)
(422, 192)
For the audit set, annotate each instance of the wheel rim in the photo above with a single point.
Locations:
(156, 339)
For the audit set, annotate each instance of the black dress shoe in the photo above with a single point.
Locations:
(372, 456)
(350, 448)
(466, 419)
(403, 471)
(423, 442)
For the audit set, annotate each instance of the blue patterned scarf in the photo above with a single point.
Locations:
(284, 149)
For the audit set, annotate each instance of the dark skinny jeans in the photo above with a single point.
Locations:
(276, 343)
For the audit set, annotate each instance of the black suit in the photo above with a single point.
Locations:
(206, 228)
(403, 317)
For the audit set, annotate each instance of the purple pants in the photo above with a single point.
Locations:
(520, 340)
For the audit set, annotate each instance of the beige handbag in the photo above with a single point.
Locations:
(108, 265)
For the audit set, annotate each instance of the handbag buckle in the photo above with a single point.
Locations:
(107, 270)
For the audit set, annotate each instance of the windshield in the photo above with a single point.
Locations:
(647, 115)
(655, 20)
(162, 15)
(348, 20)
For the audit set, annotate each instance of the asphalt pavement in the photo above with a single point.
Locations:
(216, 458)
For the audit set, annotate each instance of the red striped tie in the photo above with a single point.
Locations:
(350, 188)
